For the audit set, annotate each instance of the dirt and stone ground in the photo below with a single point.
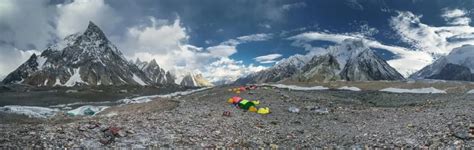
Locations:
(355, 119)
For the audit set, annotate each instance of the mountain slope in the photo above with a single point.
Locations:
(366, 66)
(80, 59)
(457, 65)
(322, 68)
(282, 70)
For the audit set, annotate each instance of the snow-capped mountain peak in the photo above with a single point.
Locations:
(153, 71)
(67, 41)
(86, 59)
(457, 65)
(350, 60)
(195, 80)
(347, 49)
(295, 60)
(140, 64)
(462, 56)
(154, 64)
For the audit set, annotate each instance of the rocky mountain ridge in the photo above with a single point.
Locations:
(351, 60)
(86, 59)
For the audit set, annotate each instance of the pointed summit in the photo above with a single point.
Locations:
(81, 59)
(157, 75)
(93, 31)
(138, 61)
(92, 26)
(153, 63)
(33, 56)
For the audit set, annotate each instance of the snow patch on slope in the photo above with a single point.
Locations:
(58, 82)
(138, 80)
(470, 91)
(350, 88)
(420, 90)
(68, 41)
(297, 88)
(75, 78)
(41, 61)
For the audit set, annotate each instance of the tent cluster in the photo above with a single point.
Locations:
(242, 89)
(245, 104)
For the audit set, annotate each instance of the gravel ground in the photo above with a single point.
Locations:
(355, 119)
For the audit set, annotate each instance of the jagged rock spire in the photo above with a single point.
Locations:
(93, 31)
(153, 63)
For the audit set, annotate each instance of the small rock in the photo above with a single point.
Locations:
(104, 141)
(130, 132)
(296, 122)
(321, 111)
(458, 142)
(461, 135)
(81, 128)
(121, 133)
(273, 146)
(294, 109)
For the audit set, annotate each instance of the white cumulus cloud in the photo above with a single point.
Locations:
(226, 69)
(222, 50)
(155, 37)
(456, 17)
(167, 43)
(74, 17)
(438, 41)
(267, 59)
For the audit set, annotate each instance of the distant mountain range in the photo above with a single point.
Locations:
(87, 59)
(195, 80)
(350, 61)
(90, 59)
(156, 74)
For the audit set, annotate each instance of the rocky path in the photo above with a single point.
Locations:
(353, 119)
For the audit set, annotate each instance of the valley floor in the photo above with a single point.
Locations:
(355, 119)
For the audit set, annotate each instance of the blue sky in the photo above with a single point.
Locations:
(225, 39)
